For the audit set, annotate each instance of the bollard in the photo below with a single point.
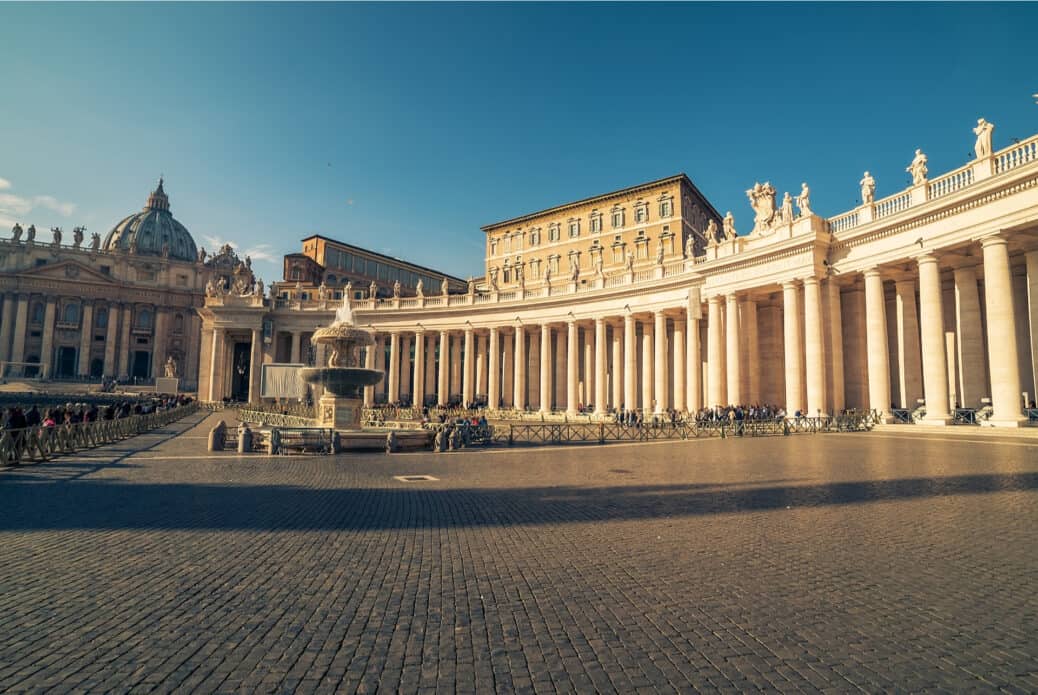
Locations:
(244, 439)
(274, 443)
(391, 445)
(438, 441)
(336, 443)
(218, 437)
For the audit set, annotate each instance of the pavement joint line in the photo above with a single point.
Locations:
(926, 437)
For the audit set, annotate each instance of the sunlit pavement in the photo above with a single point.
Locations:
(832, 562)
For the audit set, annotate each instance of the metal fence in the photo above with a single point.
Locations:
(42, 443)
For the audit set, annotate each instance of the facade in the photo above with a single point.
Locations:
(121, 307)
(928, 296)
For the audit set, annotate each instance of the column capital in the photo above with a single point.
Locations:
(925, 258)
(600, 321)
(714, 299)
(791, 284)
(872, 272)
(993, 239)
(810, 280)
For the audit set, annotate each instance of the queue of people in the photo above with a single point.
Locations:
(17, 418)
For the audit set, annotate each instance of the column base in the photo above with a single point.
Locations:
(935, 421)
(1012, 423)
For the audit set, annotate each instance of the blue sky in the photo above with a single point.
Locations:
(404, 128)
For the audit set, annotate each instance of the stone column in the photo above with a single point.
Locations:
(935, 365)
(1002, 350)
(160, 336)
(393, 395)
(572, 362)
(20, 321)
(431, 376)
(968, 329)
(836, 385)
(733, 352)
(814, 355)
(405, 367)
(616, 373)
(533, 369)
(454, 388)
(792, 347)
(296, 349)
(876, 342)
(468, 372)
(660, 362)
(600, 366)
(494, 371)
(7, 320)
(47, 347)
(481, 364)
(215, 364)
(111, 339)
(715, 381)
(508, 371)
(519, 393)
(86, 337)
(380, 364)
(648, 396)
(693, 365)
(561, 379)
(751, 338)
(369, 363)
(908, 357)
(589, 366)
(630, 366)
(255, 366)
(124, 342)
(444, 370)
(1031, 258)
(418, 391)
(546, 389)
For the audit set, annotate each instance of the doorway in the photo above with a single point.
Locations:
(141, 364)
(65, 362)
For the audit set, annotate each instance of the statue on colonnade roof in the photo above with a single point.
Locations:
(762, 200)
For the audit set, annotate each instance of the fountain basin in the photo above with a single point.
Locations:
(344, 382)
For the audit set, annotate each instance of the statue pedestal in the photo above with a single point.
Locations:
(339, 412)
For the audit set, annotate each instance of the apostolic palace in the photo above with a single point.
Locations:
(643, 298)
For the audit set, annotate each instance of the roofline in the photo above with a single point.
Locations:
(630, 189)
(380, 255)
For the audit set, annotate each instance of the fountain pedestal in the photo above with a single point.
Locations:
(339, 412)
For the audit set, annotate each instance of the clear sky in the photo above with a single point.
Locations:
(404, 128)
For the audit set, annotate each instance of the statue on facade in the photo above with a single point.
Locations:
(918, 168)
(711, 231)
(419, 289)
(472, 287)
(210, 288)
(690, 246)
(574, 268)
(95, 241)
(201, 255)
(983, 132)
(16, 232)
(660, 251)
(804, 200)
(372, 290)
(30, 234)
(547, 274)
(77, 236)
(787, 208)
(868, 189)
(729, 225)
(599, 265)
(396, 289)
(762, 200)
(242, 286)
(257, 288)
(493, 279)
(56, 231)
(629, 263)
(347, 293)
(248, 263)
(444, 287)
(171, 368)
(322, 292)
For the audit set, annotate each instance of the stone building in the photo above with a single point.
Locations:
(928, 296)
(119, 307)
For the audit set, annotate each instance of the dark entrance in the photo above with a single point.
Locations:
(65, 362)
(97, 367)
(240, 369)
(141, 364)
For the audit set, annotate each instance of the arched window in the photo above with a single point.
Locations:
(71, 313)
(36, 315)
(101, 318)
(178, 323)
(330, 280)
(144, 319)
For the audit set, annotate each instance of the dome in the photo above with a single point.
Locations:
(152, 232)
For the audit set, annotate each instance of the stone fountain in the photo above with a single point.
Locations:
(343, 378)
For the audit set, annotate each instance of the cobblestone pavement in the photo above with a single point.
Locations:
(816, 562)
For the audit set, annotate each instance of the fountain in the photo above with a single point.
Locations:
(340, 405)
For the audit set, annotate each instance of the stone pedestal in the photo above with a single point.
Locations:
(339, 412)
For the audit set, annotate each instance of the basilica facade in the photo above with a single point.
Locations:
(647, 298)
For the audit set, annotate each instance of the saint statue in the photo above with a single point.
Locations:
(787, 208)
(95, 241)
(983, 132)
(711, 231)
(30, 234)
(493, 279)
(444, 287)
(77, 236)
(133, 245)
(918, 168)
(419, 289)
(762, 200)
(171, 368)
(472, 287)
(804, 200)
(660, 251)
(547, 275)
(56, 231)
(574, 268)
(868, 189)
(599, 271)
(201, 255)
(210, 288)
(729, 225)
(372, 290)
(257, 288)
(690, 246)
(396, 289)
(322, 292)
(16, 232)
(629, 263)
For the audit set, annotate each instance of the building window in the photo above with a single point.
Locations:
(105, 269)
(535, 269)
(493, 246)
(506, 274)
(101, 318)
(535, 236)
(596, 222)
(641, 213)
(36, 315)
(178, 323)
(182, 280)
(553, 264)
(508, 243)
(618, 252)
(144, 319)
(666, 207)
(331, 280)
(618, 218)
(296, 274)
(574, 229)
(70, 314)
(553, 231)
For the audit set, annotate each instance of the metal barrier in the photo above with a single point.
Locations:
(964, 416)
(42, 443)
(902, 416)
(274, 419)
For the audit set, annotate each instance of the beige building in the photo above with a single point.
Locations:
(119, 307)
(927, 296)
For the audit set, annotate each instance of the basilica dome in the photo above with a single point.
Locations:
(152, 232)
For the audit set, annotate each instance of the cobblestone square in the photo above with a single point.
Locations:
(875, 561)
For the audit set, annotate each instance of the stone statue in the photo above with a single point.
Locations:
(372, 290)
(629, 263)
(787, 208)
(762, 200)
(690, 246)
(660, 251)
(729, 225)
(547, 275)
(165, 250)
(520, 277)
(599, 263)
(574, 268)
(30, 234)
(868, 189)
(804, 200)
(983, 132)
(257, 288)
(444, 287)
(210, 289)
(396, 289)
(16, 232)
(201, 255)
(95, 241)
(248, 263)
(711, 231)
(77, 236)
(56, 231)
(918, 168)
(347, 293)
(472, 287)
(322, 292)
(493, 279)
(419, 289)
(241, 286)
(171, 368)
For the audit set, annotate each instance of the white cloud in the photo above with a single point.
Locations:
(14, 205)
(4, 183)
(52, 203)
(262, 252)
(259, 252)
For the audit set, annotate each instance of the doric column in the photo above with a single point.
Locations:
(21, 318)
(1032, 317)
(86, 336)
(380, 364)
(432, 378)
(295, 355)
(793, 348)
(455, 386)
(733, 352)
(159, 339)
(393, 395)
(47, 346)
(418, 390)
(1002, 350)
(405, 366)
(7, 320)
(508, 371)
(589, 366)
(546, 390)
(630, 366)
(616, 373)
(910, 374)
(519, 392)
(660, 362)
(751, 365)
(533, 369)
(648, 380)
(468, 370)
(255, 366)
(124, 342)
(835, 327)
(494, 371)
(935, 364)
(714, 347)
(693, 365)
(968, 329)
(814, 355)
(680, 363)
(369, 363)
(600, 366)
(561, 379)
(572, 362)
(444, 369)
(481, 364)
(876, 342)
(111, 340)
(216, 375)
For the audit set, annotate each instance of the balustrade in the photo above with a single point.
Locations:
(949, 183)
(1017, 155)
(893, 204)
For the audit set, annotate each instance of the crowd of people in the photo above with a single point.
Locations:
(16, 417)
